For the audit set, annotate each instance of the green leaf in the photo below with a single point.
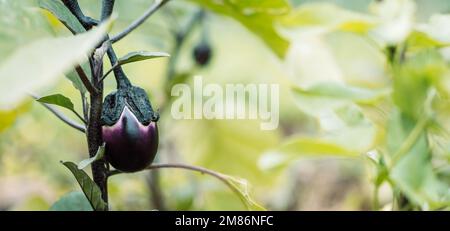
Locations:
(418, 40)
(27, 70)
(90, 189)
(258, 16)
(417, 75)
(57, 99)
(241, 187)
(303, 147)
(413, 172)
(141, 55)
(63, 14)
(343, 92)
(99, 155)
(72, 201)
(327, 14)
(75, 79)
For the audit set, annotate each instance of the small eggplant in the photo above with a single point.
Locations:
(129, 129)
(202, 53)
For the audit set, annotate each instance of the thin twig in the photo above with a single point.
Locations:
(65, 119)
(206, 171)
(79, 116)
(153, 8)
(108, 72)
(85, 80)
(181, 37)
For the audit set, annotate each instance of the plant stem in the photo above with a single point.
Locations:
(180, 38)
(376, 201)
(75, 9)
(121, 79)
(157, 197)
(83, 77)
(100, 168)
(94, 139)
(107, 8)
(63, 118)
(201, 170)
(153, 8)
(108, 72)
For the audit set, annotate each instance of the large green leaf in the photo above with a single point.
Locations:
(328, 15)
(296, 148)
(258, 16)
(27, 70)
(413, 171)
(72, 201)
(90, 189)
(58, 9)
(343, 92)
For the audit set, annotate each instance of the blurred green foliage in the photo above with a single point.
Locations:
(363, 107)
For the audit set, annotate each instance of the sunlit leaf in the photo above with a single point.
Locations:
(98, 156)
(342, 92)
(303, 147)
(90, 189)
(328, 15)
(26, 70)
(72, 201)
(58, 9)
(419, 40)
(258, 16)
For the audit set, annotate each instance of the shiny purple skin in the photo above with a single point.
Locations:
(130, 146)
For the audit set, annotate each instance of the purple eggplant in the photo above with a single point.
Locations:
(202, 54)
(129, 127)
(130, 145)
